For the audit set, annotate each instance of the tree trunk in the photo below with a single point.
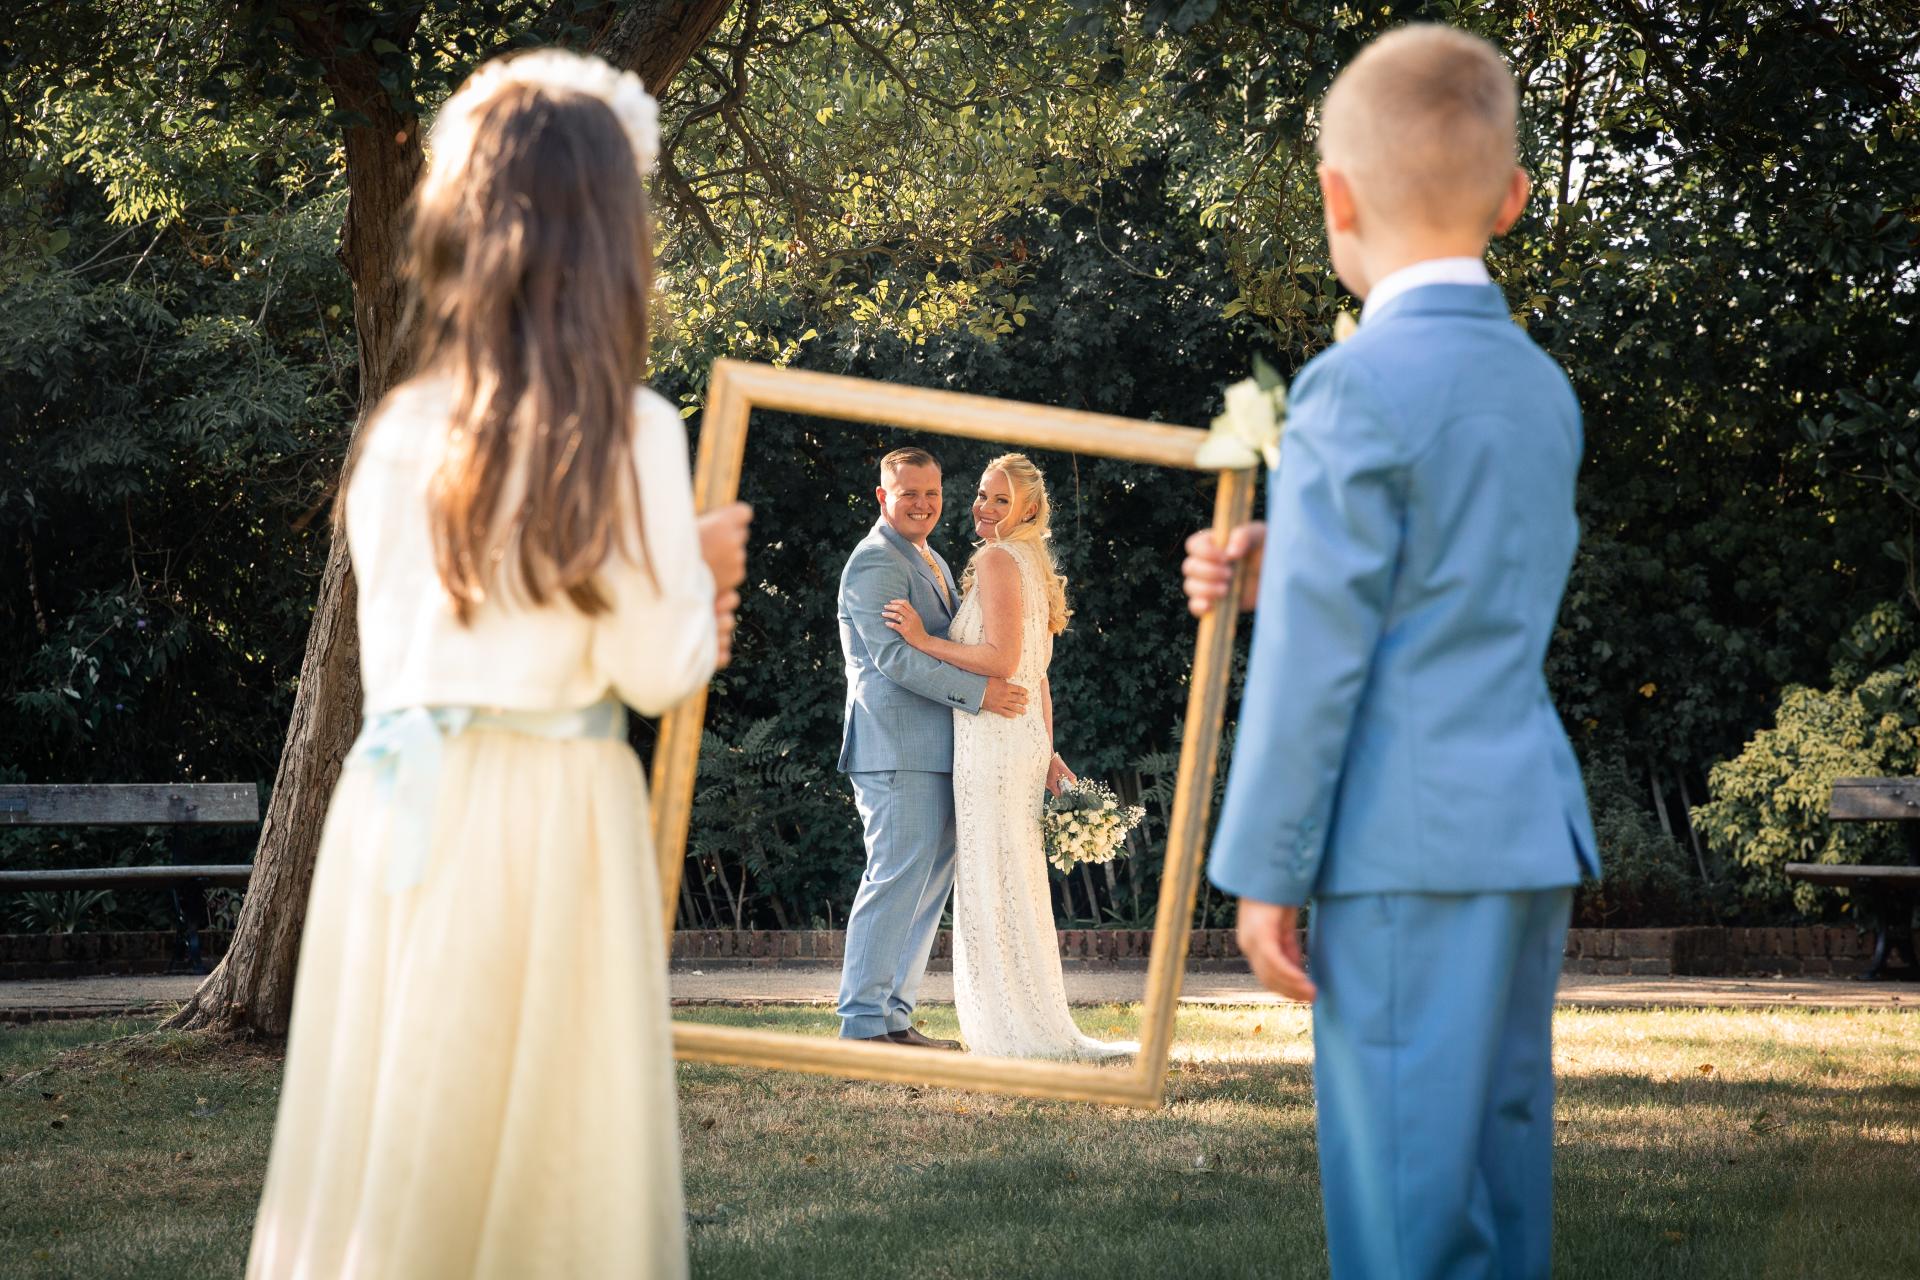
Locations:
(251, 991)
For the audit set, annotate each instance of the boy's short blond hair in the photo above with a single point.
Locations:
(1422, 123)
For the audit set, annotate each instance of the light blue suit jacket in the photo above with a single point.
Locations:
(1396, 735)
(900, 702)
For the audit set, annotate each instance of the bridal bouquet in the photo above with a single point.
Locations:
(1087, 823)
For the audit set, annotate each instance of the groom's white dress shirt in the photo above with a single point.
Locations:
(1432, 271)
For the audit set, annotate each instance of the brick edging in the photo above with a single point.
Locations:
(1705, 950)
(1698, 950)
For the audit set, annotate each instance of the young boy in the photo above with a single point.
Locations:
(1399, 760)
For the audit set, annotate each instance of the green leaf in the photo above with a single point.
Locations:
(1265, 375)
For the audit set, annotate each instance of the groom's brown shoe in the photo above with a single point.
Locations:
(912, 1037)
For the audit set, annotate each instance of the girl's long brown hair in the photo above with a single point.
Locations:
(533, 263)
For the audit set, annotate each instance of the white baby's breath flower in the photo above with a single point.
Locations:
(561, 73)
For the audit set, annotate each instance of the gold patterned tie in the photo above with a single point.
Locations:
(939, 579)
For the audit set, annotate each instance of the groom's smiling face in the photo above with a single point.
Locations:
(910, 500)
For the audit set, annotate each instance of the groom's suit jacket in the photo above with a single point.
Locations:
(1396, 735)
(900, 702)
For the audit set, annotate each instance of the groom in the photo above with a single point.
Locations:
(897, 751)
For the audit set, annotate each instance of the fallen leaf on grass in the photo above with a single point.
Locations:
(1676, 1236)
(58, 1122)
(708, 1123)
(810, 1160)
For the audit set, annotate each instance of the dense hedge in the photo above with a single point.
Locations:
(1722, 254)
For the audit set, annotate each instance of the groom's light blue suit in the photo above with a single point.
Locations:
(897, 750)
(1399, 761)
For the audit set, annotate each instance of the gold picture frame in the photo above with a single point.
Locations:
(734, 391)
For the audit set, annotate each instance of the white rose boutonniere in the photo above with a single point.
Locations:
(1248, 433)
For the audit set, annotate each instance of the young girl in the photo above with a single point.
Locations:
(479, 1075)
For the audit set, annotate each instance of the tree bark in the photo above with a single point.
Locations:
(653, 38)
(251, 990)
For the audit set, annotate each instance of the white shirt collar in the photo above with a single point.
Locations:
(1432, 271)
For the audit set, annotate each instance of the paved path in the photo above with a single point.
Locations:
(150, 994)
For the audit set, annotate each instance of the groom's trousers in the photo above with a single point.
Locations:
(1433, 1081)
(907, 815)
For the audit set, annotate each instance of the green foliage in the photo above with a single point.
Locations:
(772, 821)
(63, 911)
(1648, 875)
(1769, 803)
(1108, 206)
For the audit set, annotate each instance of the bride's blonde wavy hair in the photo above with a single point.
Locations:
(532, 255)
(1029, 491)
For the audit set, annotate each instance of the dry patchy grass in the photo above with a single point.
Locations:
(1693, 1144)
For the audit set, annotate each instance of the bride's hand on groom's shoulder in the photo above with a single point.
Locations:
(905, 619)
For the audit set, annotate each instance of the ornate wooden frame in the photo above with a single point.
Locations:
(736, 389)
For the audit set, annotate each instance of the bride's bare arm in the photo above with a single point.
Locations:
(1058, 775)
(997, 579)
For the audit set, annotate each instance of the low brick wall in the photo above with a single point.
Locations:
(1817, 950)
(1811, 951)
(77, 955)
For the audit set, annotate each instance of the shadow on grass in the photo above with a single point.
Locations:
(1798, 1155)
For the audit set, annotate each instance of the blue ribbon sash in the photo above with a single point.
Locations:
(407, 748)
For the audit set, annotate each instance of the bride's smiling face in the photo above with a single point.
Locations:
(993, 506)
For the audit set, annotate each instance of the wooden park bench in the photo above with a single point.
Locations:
(1887, 895)
(176, 805)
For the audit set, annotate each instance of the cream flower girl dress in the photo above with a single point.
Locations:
(479, 1072)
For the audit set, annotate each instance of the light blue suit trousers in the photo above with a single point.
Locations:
(1433, 1081)
(908, 817)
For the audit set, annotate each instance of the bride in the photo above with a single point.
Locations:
(1007, 984)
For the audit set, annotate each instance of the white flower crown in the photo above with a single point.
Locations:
(451, 138)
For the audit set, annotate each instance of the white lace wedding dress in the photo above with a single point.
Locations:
(1007, 985)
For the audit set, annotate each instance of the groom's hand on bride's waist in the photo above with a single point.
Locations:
(1004, 699)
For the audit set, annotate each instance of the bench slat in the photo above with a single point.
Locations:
(1857, 877)
(129, 804)
(107, 877)
(1875, 799)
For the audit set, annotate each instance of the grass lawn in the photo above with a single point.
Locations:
(1692, 1144)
